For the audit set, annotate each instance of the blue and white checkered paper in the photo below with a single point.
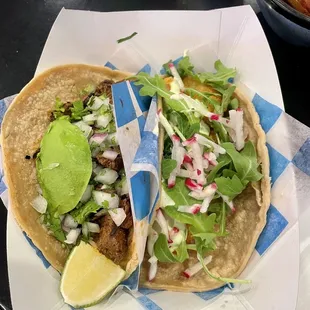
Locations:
(288, 143)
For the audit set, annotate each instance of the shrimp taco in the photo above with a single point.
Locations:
(215, 186)
(64, 167)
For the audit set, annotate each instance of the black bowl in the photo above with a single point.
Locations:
(288, 23)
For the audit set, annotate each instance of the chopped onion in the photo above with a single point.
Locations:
(118, 216)
(103, 120)
(89, 119)
(194, 209)
(109, 154)
(112, 139)
(69, 222)
(87, 194)
(97, 103)
(40, 204)
(101, 197)
(189, 272)
(93, 227)
(122, 187)
(95, 152)
(97, 138)
(107, 176)
(73, 235)
(86, 129)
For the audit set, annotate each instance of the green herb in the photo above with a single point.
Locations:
(126, 38)
(226, 99)
(221, 131)
(163, 254)
(234, 104)
(223, 160)
(167, 166)
(78, 110)
(54, 225)
(166, 67)
(244, 162)
(228, 173)
(230, 187)
(59, 109)
(81, 215)
(185, 67)
(105, 204)
(221, 77)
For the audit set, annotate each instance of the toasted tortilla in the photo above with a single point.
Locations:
(23, 127)
(244, 226)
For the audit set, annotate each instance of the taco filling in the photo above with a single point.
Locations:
(209, 164)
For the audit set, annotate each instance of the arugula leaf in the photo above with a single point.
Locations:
(245, 162)
(229, 187)
(156, 85)
(185, 67)
(81, 214)
(234, 104)
(226, 99)
(179, 194)
(221, 77)
(206, 237)
(223, 220)
(78, 110)
(166, 67)
(199, 222)
(228, 173)
(220, 130)
(163, 254)
(223, 160)
(167, 147)
(126, 38)
(203, 246)
(167, 166)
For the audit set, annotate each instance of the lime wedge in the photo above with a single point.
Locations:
(88, 276)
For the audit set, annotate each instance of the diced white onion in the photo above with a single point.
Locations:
(69, 222)
(73, 235)
(112, 139)
(103, 120)
(122, 187)
(89, 119)
(86, 129)
(87, 194)
(40, 204)
(118, 216)
(106, 176)
(93, 227)
(101, 197)
(97, 103)
(109, 154)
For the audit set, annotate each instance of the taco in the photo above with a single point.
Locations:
(215, 186)
(64, 167)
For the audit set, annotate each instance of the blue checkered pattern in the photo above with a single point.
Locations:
(130, 111)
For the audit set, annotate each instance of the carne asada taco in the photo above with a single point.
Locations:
(64, 168)
(215, 186)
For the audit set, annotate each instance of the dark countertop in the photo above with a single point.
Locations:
(24, 27)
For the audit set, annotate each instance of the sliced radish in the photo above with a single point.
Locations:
(162, 223)
(192, 185)
(40, 204)
(69, 222)
(205, 164)
(206, 192)
(72, 236)
(194, 209)
(204, 141)
(152, 238)
(187, 174)
(165, 123)
(211, 158)
(102, 198)
(236, 118)
(153, 268)
(118, 216)
(107, 176)
(229, 202)
(189, 272)
(97, 138)
(109, 154)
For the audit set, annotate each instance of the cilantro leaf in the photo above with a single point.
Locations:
(54, 225)
(221, 77)
(185, 67)
(179, 194)
(81, 214)
(230, 187)
(167, 166)
(58, 109)
(78, 110)
(127, 38)
(163, 254)
(226, 99)
(245, 162)
(223, 160)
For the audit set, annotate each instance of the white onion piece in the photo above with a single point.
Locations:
(86, 129)
(87, 194)
(118, 216)
(97, 103)
(112, 139)
(97, 170)
(89, 119)
(73, 235)
(93, 227)
(189, 272)
(101, 197)
(107, 176)
(40, 204)
(122, 187)
(103, 120)
(95, 152)
(69, 222)
(109, 154)
(98, 138)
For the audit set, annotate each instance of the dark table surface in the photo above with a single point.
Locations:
(24, 27)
